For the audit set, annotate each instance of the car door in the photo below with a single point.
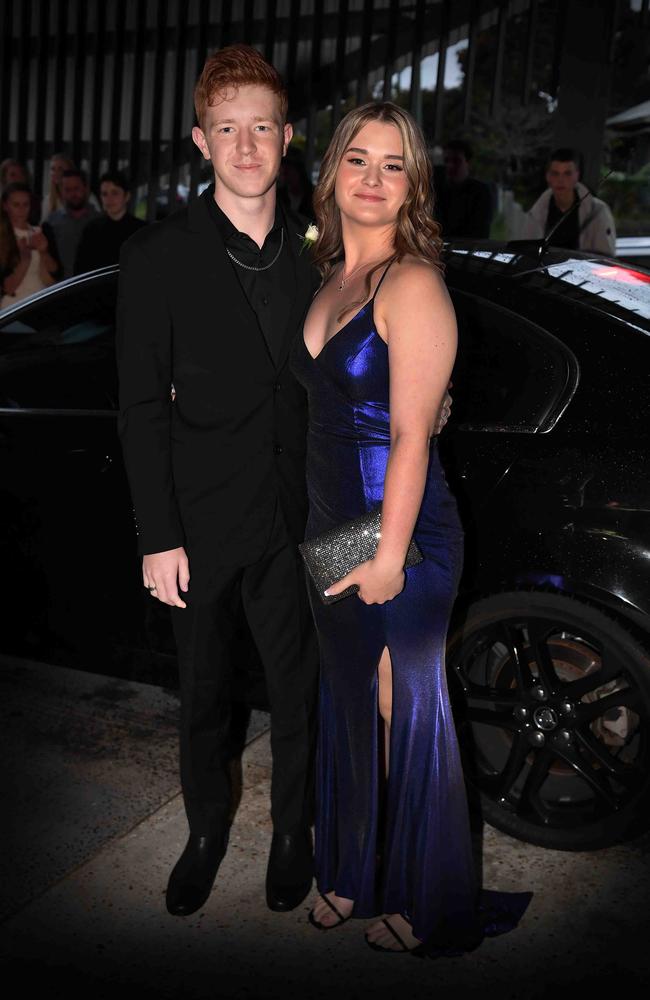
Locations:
(67, 534)
(511, 383)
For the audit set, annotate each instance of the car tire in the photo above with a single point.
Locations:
(554, 725)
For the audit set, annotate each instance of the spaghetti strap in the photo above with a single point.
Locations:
(381, 279)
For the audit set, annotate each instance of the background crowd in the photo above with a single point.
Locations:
(71, 230)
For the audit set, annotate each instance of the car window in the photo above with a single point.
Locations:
(58, 352)
(510, 374)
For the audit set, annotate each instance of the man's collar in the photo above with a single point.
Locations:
(226, 226)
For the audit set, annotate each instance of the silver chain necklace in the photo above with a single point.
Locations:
(249, 267)
(344, 280)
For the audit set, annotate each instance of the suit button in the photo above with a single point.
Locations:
(278, 449)
(277, 387)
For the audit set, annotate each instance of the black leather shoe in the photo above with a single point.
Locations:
(290, 869)
(193, 875)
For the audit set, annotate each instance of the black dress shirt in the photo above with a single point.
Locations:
(567, 233)
(269, 292)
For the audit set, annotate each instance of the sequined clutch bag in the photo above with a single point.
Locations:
(330, 556)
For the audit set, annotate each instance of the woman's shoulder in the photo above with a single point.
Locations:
(413, 276)
(413, 293)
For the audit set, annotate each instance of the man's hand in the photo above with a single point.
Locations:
(164, 573)
(445, 410)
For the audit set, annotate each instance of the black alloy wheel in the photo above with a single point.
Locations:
(555, 729)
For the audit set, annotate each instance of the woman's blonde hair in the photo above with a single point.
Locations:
(5, 167)
(416, 231)
(54, 199)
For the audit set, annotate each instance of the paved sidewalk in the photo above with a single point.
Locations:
(102, 929)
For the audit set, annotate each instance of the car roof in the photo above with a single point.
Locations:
(592, 280)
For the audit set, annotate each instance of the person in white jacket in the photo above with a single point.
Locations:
(590, 227)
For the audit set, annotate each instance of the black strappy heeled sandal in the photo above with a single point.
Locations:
(419, 951)
(327, 927)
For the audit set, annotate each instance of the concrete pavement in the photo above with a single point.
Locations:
(97, 925)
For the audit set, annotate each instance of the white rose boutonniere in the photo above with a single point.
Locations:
(310, 237)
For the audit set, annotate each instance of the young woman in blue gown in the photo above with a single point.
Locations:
(392, 828)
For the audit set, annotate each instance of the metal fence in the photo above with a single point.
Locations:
(110, 81)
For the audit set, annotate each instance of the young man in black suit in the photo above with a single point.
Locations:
(213, 427)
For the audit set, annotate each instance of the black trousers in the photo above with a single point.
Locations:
(274, 596)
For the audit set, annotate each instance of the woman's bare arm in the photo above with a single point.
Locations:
(420, 327)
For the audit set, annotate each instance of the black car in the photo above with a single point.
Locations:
(547, 452)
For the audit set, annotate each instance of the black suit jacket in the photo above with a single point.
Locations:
(207, 469)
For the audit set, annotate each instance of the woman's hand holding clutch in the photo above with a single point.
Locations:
(378, 581)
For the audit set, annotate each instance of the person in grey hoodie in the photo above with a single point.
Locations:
(590, 227)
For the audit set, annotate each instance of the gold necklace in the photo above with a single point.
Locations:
(344, 280)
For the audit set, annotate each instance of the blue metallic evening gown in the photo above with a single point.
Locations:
(400, 845)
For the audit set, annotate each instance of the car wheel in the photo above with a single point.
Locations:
(555, 726)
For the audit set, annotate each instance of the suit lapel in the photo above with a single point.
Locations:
(305, 282)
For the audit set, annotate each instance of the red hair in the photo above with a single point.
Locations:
(232, 67)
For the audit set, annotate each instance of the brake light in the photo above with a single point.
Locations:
(624, 274)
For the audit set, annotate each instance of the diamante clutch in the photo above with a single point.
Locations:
(332, 555)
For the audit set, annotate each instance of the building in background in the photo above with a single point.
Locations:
(110, 81)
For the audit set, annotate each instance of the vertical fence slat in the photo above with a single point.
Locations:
(269, 33)
(179, 99)
(502, 24)
(292, 47)
(247, 32)
(78, 80)
(60, 61)
(443, 41)
(24, 77)
(415, 96)
(560, 28)
(98, 95)
(225, 35)
(43, 49)
(6, 74)
(341, 35)
(202, 35)
(391, 42)
(362, 79)
(139, 46)
(158, 108)
(470, 62)
(613, 11)
(201, 53)
(314, 73)
(118, 75)
(531, 28)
